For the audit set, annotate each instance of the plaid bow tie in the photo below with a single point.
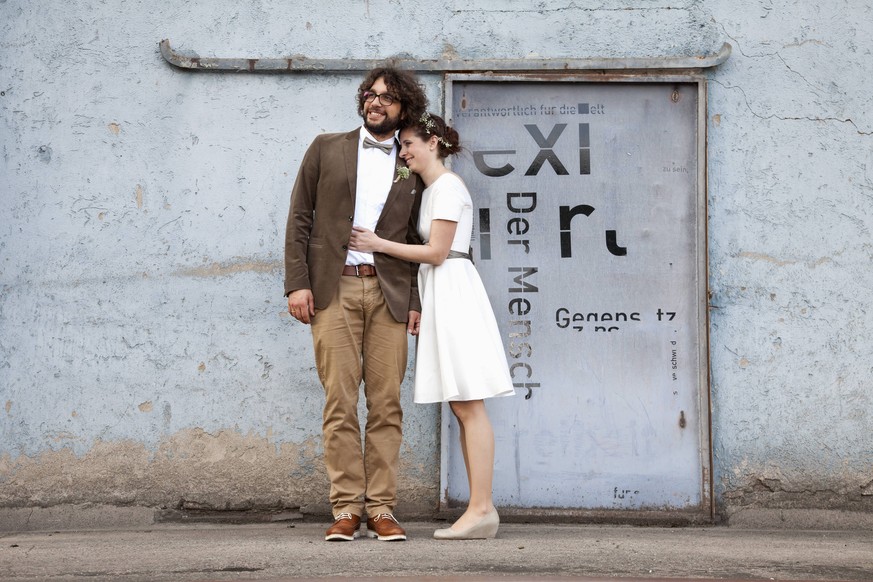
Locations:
(385, 147)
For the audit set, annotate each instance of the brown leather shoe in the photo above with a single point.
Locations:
(385, 528)
(344, 529)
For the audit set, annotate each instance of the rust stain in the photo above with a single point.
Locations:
(8, 406)
(744, 363)
(115, 128)
(201, 367)
(146, 406)
(225, 269)
(138, 196)
(716, 119)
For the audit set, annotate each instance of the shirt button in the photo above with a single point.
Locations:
(345, 247)
(351, 218)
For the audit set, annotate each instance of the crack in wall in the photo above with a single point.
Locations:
(738, 45)
(784, 118)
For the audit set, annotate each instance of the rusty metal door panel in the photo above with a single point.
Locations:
(590, 238)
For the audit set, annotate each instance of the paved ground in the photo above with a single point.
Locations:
(522, 551)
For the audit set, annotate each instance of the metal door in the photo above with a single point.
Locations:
(590, 238)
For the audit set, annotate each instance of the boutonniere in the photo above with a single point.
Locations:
(402, 173)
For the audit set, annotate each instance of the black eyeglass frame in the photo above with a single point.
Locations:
(386, 99)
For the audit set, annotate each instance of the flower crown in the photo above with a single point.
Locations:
(428, 124)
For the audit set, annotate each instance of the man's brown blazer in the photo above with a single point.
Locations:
(320, 225)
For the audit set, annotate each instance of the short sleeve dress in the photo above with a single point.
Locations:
(460, 353)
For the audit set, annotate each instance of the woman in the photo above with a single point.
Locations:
(460, 357)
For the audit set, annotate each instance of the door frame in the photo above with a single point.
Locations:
(704, 511)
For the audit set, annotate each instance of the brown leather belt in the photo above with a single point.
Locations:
(359, 270)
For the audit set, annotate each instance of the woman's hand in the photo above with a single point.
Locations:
(363, 240)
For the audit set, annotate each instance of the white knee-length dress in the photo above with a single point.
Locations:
(460, 353)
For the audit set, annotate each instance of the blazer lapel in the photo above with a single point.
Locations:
(398, 188)
(350, 158)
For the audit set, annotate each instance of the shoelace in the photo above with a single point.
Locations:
(386, 516)
(343, 516)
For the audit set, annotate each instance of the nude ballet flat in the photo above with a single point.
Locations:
(485, 528)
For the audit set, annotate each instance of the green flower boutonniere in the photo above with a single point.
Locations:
(402, 173)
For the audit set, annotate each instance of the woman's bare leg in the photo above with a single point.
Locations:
(463, 440)
(477, 441)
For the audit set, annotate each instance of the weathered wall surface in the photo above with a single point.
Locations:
(145, 354)
(791, 186)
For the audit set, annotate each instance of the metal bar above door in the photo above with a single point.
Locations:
(303, 64)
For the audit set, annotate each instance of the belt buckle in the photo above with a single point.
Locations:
(357, 272)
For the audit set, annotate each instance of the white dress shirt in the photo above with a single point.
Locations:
(375, 177)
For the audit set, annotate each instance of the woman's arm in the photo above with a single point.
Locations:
(433, 252)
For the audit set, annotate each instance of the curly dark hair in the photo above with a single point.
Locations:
(403, 85)
(428, 125)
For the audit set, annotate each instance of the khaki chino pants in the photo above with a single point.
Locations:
(357, 339)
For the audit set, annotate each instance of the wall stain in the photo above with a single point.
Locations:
(223, 470)
(781, 263)
(226, 269)
(846, 490)
(44, 153)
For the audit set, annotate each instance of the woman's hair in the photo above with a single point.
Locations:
(429, 125)
(401, 84)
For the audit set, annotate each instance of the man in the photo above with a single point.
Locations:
(359, 305)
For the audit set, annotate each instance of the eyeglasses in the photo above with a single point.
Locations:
(386, 99)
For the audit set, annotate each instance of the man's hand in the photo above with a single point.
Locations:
(412, 322)
(301, 306)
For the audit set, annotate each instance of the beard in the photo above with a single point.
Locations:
(384, 127)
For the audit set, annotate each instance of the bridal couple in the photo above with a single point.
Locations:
(377, 246)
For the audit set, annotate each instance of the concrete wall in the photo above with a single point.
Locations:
(145, 355)
(791, 186)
